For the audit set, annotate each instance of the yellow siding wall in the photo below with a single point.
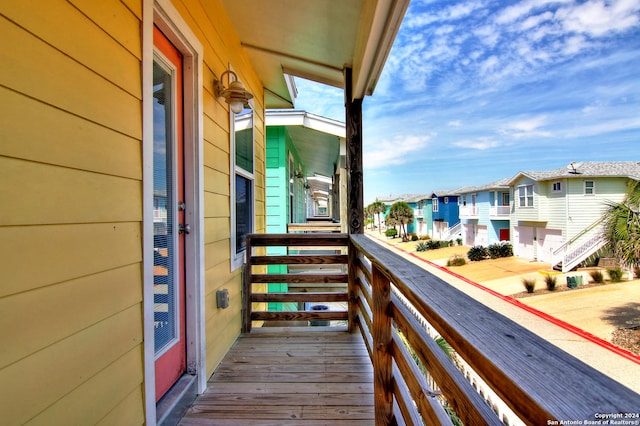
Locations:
(71, 205)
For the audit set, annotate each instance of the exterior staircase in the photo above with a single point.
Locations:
(452, 233)
(579, 247)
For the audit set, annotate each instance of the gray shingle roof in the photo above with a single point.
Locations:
(630, 169)
(498, 184)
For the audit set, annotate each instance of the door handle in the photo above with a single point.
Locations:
(186, 229)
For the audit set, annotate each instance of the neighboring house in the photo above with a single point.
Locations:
(304, 175)
(422, 213)
(445, 214)
(485, 213)
(556, 214)
(130, 176)
(412, 200)
(305, 168)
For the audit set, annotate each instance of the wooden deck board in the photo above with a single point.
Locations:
(280, 377)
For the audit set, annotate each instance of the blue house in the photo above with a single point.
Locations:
(445, 214)
(484, 213)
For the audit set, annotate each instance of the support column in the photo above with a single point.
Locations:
(355, 194)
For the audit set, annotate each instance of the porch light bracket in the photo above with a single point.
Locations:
(235, 94)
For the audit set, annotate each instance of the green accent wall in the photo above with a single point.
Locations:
(278, 147)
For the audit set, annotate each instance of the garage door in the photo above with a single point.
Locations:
(524, 242)
(548, 241)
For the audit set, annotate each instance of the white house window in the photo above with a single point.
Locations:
(589, 187)
(556, 187)
(525, 195)
(435, 204)
(446, 200)
(242, 184)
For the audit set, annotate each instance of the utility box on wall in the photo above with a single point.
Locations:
(222, 298)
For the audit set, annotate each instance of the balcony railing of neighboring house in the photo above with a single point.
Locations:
(499, 211)
(418, 213)
(159, 215)
(581, 246)
(468, 212)
(534, 378)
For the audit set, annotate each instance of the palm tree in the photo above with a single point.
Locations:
(378, 207)
(370, 214)
(622, 227)
(402, 213)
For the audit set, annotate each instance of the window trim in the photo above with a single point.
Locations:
(526, 196)
(556, 187)
(592, 188)
(435, 207)
(238, 257)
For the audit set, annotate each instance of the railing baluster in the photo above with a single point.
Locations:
(382, 344)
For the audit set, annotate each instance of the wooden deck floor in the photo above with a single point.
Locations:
(289, 377)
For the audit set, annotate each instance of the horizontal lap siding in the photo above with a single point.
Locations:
(71, 211)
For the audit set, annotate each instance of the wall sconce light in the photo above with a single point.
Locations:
(235, 95)
(299, 175)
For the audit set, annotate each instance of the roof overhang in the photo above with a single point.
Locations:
(318, 141)
(316, 40)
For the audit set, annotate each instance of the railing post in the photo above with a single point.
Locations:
(382, 347)
(352, 288)
(247, 289)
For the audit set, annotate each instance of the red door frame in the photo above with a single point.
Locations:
(171, 365)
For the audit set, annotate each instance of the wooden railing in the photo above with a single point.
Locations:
(318, 276)
(535, 379)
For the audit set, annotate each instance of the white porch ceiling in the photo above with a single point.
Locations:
(316, 40)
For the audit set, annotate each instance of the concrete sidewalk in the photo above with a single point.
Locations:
(578, 322)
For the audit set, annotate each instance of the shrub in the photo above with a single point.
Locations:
(596, 276)
(391, 232)
(434, 244)
(425, 237)
(615, 274)
(414, 237)
(550, 281)
(495, 251)
(529, 284)
(422, 246)
(477, 253)
(456, 260)
(459, 241)
(506, 249)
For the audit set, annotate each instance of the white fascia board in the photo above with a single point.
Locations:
(379, 26)
(303, 118)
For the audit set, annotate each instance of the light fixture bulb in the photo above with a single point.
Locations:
(236, 107)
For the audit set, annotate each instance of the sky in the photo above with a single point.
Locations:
(476, 91)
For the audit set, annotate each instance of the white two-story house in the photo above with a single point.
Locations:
(556, 214)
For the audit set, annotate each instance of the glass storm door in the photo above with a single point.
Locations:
(168, 216)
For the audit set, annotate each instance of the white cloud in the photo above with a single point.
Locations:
(603, 127)
(454, 123)
(526, 128)
(598, 18)
(399, 150)
(534, 21)
(480, 143)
